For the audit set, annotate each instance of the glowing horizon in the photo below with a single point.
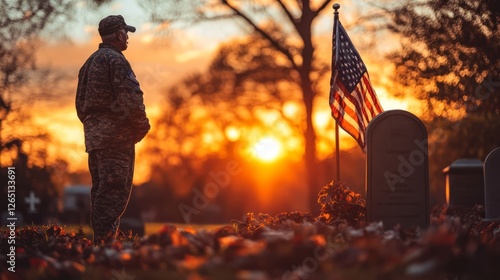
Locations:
(160, 62)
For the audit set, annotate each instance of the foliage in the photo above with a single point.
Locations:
(244, 77)
(255, 227)
(339, 204)
(451, 53)
(20, 24)
(457, 245)
(289, 247)
(450, 60)
(246, 83)
(294, 42)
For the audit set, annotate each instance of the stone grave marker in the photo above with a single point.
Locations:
(464, 183)
(397, 181)
(492, 185)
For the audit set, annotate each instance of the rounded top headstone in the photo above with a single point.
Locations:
(492, 185)
(493, 155)
(395, 114)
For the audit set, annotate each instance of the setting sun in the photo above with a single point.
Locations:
(267, 149)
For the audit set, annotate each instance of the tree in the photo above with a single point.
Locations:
(451, 60)
(246, 77)
(20, 24)
(294, 42)
(21, 84)
(451, 53)
(241, 79)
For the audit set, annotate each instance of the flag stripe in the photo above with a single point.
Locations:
(352, 99)
(348, 119)
(371, 99)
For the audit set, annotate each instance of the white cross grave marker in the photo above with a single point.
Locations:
(32, 200)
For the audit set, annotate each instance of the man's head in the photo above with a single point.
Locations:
(113, 30)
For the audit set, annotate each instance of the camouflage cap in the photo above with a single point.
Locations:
(112, 24)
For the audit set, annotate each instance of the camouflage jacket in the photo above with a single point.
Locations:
(109, 101)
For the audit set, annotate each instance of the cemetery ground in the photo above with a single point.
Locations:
(336, 244)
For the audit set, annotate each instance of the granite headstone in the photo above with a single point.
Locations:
(492, 185)
(465, 183)
(397, 181)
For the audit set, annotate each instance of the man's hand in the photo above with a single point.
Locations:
(142, 132)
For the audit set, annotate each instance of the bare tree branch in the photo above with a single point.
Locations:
(288, 14)
(321, 7)
(264, 34)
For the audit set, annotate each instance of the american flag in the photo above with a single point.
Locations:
(352, 98)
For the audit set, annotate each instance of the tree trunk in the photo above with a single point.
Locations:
(308, 96)
(310, 142)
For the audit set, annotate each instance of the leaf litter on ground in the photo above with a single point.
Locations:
(337, 244)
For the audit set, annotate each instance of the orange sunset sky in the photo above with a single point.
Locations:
(160, 60)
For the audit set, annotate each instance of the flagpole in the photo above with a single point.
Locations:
(336, 7)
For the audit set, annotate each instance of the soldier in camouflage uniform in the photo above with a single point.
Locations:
(110, 105)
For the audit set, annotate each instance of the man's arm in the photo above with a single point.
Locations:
(129, 98)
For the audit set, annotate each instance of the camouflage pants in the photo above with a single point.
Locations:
(112, 172)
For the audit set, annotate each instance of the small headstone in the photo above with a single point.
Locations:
(397, 182)
(464, 183)
(492, 185)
